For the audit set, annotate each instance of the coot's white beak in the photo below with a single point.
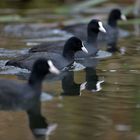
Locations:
(101, 28)
(123, 17)
(84, 48)
(52, 68)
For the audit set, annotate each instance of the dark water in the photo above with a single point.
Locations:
(100, 103)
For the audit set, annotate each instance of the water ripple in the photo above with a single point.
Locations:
(12, 53)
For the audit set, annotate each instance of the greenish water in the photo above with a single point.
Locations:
(112, 113)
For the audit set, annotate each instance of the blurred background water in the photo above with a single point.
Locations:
(108, 106)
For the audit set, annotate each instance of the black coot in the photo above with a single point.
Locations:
(13, 93)
(113, 32)
(61, 61)
(112, 29)
(94, 27)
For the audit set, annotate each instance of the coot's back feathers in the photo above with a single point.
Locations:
(48, 46)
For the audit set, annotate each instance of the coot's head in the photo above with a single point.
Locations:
(43, 66)
(95, 26)
(116, 14)
(75, 44)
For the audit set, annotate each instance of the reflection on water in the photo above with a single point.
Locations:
(92, 83)
(37, 122)
(71, 88)
(112, 112)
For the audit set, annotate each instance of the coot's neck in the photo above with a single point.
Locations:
(35, 80)
(68, 53)
(92, 36)
(112, 21)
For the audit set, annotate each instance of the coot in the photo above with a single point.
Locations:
(110, 38)
(61, 61)
(13, 93)
(94, 27)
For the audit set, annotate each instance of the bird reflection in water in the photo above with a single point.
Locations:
(92, 83)
(71, 88)
(37, 122)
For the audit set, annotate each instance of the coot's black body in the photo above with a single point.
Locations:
(61, 61)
